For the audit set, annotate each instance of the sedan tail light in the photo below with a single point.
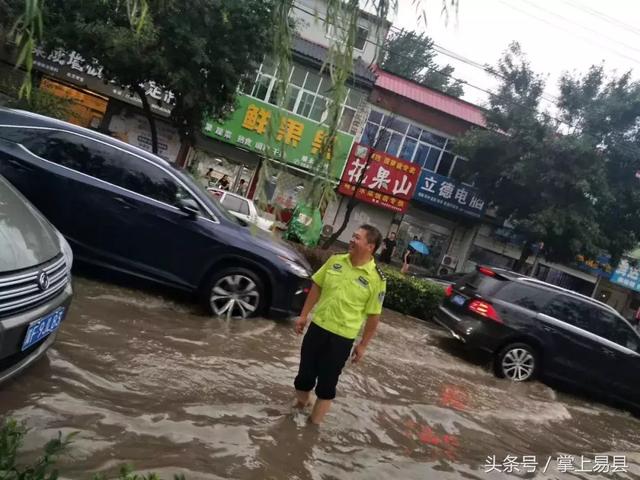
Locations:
(485, 309)
(448, 291)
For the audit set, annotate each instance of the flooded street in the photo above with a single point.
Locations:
(151, 382)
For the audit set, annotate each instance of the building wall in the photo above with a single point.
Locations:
(362, 213)
(312, 27)
(419, 113)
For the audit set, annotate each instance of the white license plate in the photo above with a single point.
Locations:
(42, 328)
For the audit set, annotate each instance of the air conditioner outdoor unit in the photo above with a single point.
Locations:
(449, 261)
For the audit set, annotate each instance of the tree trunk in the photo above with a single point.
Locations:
(350, 205)
(152, 121)
(521, 264)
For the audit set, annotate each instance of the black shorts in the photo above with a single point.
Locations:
(322, 358)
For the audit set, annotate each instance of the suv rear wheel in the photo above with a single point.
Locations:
(234, 293)
(518, 362)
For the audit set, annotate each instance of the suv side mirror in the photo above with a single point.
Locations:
(189, 206)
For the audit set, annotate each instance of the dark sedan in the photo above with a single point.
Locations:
(130, 211)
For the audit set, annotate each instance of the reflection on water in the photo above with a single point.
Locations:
(150, 382)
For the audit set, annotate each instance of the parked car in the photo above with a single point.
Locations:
(534, 328)
(242, 208)
(127, 210)
(35, 284)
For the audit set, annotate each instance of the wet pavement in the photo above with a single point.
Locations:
(147, 380)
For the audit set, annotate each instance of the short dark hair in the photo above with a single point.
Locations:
(374, 236)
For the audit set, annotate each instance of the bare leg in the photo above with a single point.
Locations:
(303, 399)
(320, 409)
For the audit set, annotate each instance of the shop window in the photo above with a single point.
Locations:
(355, 98)
(319, 107)
(458, 169)
(261, 87)
(398, 125)
(361, 38)
(298, 76)
(382, 140)
(408, 149)
(433, 139)
(421, 154)
(432, 159)
(375, 117)
(446, 162)
(369, 134)
(394, 144)
(347, 119)
(305, 105)
(414, 132)
(312, 82)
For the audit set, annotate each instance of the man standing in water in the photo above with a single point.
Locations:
(347, 290)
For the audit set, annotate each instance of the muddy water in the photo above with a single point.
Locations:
(150, 382)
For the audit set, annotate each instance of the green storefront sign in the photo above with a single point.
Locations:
(260, 127)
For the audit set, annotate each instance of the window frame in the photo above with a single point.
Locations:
(301, 90)
(409, 135)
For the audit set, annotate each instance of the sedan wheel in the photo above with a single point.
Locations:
(235, 295)
(517, 362)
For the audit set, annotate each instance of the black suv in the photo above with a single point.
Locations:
(533, 328)
(127, 210)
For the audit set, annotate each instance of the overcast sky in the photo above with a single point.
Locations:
(557, 35)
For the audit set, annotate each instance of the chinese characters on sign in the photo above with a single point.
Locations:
(445, 193)
(255, 125)
(72, 67)
(627, 275)
(387, 182)
(561, 464)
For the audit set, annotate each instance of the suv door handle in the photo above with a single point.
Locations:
(18, 165)
(608, 352)
(126, 204)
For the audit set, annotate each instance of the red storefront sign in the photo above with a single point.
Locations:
(388, 181)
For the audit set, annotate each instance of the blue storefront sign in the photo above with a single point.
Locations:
(627, 275)
(600, 267)
(447, 194)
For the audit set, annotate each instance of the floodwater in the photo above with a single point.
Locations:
(149, 381)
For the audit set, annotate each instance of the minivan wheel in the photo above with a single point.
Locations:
(518, 362)
(234, 293)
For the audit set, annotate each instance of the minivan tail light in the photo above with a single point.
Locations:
(485, 309)
(448, 291)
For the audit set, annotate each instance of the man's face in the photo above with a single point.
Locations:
(359, 243)
(392, 236)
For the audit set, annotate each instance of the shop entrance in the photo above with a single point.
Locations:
(436, 237)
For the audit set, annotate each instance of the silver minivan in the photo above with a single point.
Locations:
(35, 282)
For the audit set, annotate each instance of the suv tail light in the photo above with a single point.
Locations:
(448, 291)
(484, 309)
(487, 271)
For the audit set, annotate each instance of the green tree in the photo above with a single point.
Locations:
(411, 55)
(605, 114)
(198, 49)
(546, 183)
